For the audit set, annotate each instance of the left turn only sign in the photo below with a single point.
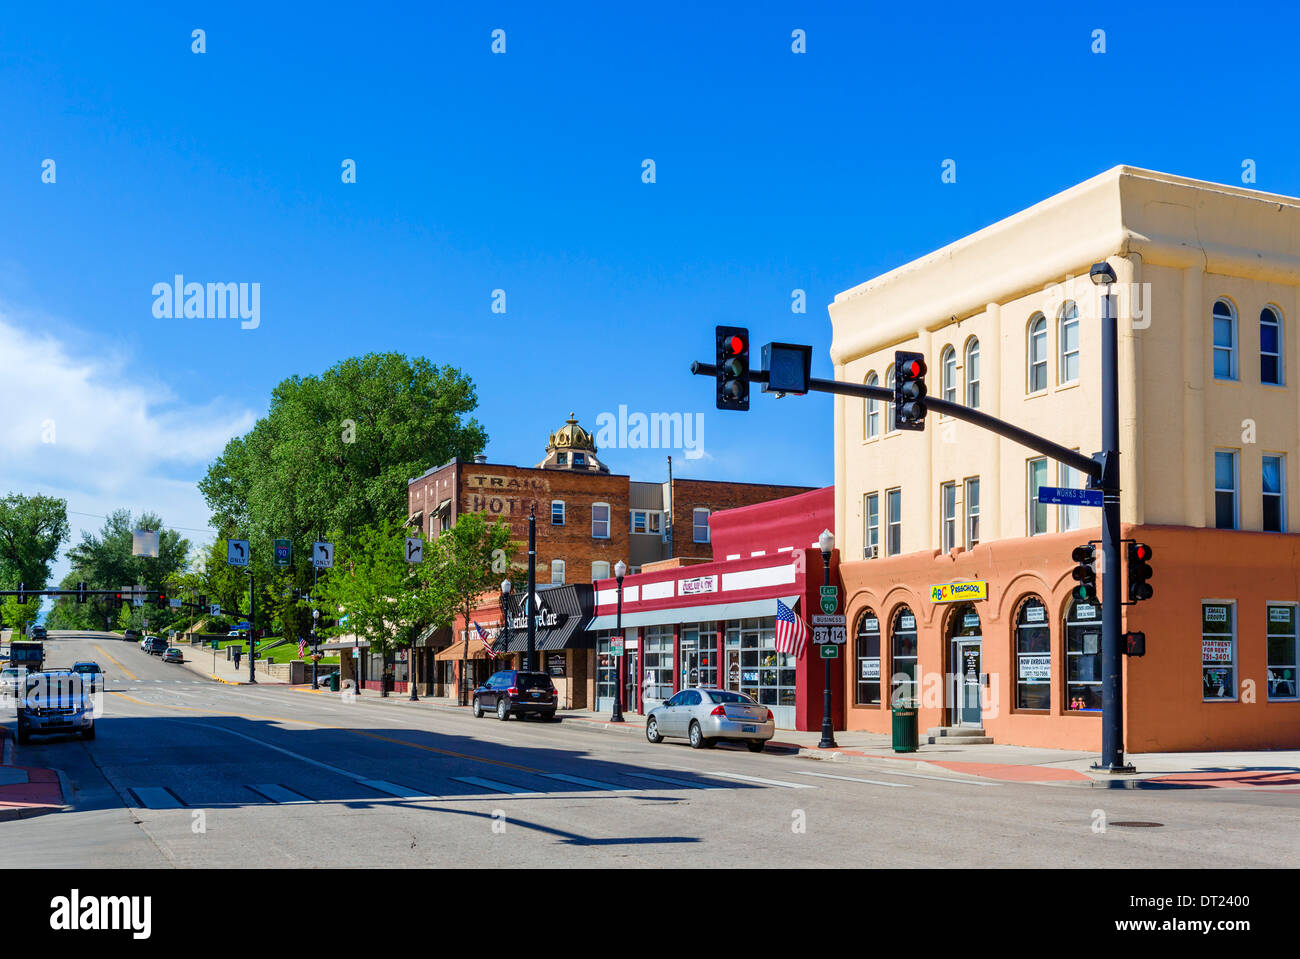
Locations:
(236, 552)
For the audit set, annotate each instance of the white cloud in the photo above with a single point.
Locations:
(102, 432)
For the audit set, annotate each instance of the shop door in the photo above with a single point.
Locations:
(732, 664)
(966, 680)
(690, 666)
(630, 687)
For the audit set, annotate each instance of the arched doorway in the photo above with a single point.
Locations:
(965, 667)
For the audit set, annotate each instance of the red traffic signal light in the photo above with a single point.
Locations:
(734, 345)
(1139, 571)
(909, 390)
(732, 368)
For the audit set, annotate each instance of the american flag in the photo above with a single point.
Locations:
(482, 638)
(791, 634)
(302, 647)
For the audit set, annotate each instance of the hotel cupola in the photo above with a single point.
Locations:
(572, 448)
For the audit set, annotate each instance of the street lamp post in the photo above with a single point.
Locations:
(315, 651)
(532, 583)
(620, 570)
(827, 542)
(506, 587)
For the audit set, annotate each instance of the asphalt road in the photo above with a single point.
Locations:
(191, 773)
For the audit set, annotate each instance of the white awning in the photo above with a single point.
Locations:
(694, 614)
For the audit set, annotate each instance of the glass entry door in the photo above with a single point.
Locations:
(967, 709)
(631, 701)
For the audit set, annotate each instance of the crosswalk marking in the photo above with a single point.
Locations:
(765, 782)
(278, 794)
(941, 779)
(853, 779)
(495, 786)
(593, 783)
(401, 792)
(674, 782)
(156, 797)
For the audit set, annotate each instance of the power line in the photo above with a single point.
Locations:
(188, 529)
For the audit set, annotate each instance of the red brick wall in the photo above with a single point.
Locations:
(690, 495)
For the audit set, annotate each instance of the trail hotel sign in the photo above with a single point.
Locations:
(959, 592)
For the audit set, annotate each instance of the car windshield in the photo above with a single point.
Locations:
(86, 668)
(723, 696)
(533, 681)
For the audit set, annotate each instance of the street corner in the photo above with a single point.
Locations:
(1273, 779)
(30, 791)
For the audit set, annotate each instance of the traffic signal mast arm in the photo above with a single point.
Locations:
(1084, 464)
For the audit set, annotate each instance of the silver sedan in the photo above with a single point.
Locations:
(706, 715)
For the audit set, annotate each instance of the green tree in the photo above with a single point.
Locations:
(386, 600)
(471, 558)
(32, 528)
(335, 451)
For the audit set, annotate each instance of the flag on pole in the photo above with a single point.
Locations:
(302, 647)
(482, 638)
(791, 634)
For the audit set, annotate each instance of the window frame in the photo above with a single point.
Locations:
(1235, 456)
(948, 374)
(870, 530)
(1232, 349)
(563, 512)
(891, 420)
(599, 562)
(608, 521)
(1294, 665)
(695, 524)
(860, 684)
(871, 410)
(1022, 605)
(1231, 604)
(1072, 621)
(914, 681)
(947, 515)
(563, 571)
(1064, 319)
(1032, 502)
(1068, 517)
(894, 495)
(1037, 325)
(1280, 495)
(971, 482)
(972, 381)
(1279, 355)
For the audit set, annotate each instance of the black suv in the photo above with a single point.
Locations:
(37, 632)
(155, 645)
(516, 691)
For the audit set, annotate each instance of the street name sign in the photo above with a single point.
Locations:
(174, 603)
(237, 552)
(322, 555)
(283, 552)
(1064, 496)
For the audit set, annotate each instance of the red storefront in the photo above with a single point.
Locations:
(706, 624)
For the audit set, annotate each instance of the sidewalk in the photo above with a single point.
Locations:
(1273, 770)
(200, 659)
(26, 791)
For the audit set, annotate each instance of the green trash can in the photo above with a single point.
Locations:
(334, 682)
(905, 729)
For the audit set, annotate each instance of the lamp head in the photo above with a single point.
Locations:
(620, 570)
(1102, 274)
(826, 541)
(505, 586)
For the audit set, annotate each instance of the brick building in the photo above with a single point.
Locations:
(587, 517)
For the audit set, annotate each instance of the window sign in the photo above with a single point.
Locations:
(907, 621)
(1085, 611)
(1282, 652)
(1035, 614)
(1218, 652)
(1035, 669)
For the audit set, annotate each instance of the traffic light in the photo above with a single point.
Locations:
(161, 600)
(1139, 571)
(909, 390)
(203, 601)
(732, 368)
(116, 601)
(1135, 644)
(22, 596)
(1085, 575)
(81, 592)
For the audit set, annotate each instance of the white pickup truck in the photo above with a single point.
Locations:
(55, 702)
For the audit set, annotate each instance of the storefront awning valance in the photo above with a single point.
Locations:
(567, 635)
(456, 651)
(693, 614)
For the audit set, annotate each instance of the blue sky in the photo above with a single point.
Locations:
(522, 172)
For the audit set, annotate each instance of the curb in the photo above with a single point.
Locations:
(8, 813)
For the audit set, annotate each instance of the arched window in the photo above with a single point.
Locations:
(1225, 341)
(871, 425)
(1067, 343)
(1083, 656)
(868, 656)
(1270, 346)
(1037, 353)
(902, 639)
(948, 363)
(973, 373)
(890, 425)
(1033, 656)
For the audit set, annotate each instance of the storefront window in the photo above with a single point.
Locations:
(765, 674)
(1218, 650)
(1281, 651)
(1083, 657)
(699, 655)
(903, 650)
(658, 647)
(606, 667)
(1033, 656)
(868, 655)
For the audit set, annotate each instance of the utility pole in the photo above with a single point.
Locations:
(532, 582)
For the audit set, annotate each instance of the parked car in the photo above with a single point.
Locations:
(516, 692)
(155, 645)
(91, 674)
(173, 655)
(705, 716)
(9, 680)
(37, 632)
(133, 635)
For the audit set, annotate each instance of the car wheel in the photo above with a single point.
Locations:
(548, 717)
(503, 711)
(756, 745)
(697, 737)
(88, 733)
(478, 709)
(652, 730)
